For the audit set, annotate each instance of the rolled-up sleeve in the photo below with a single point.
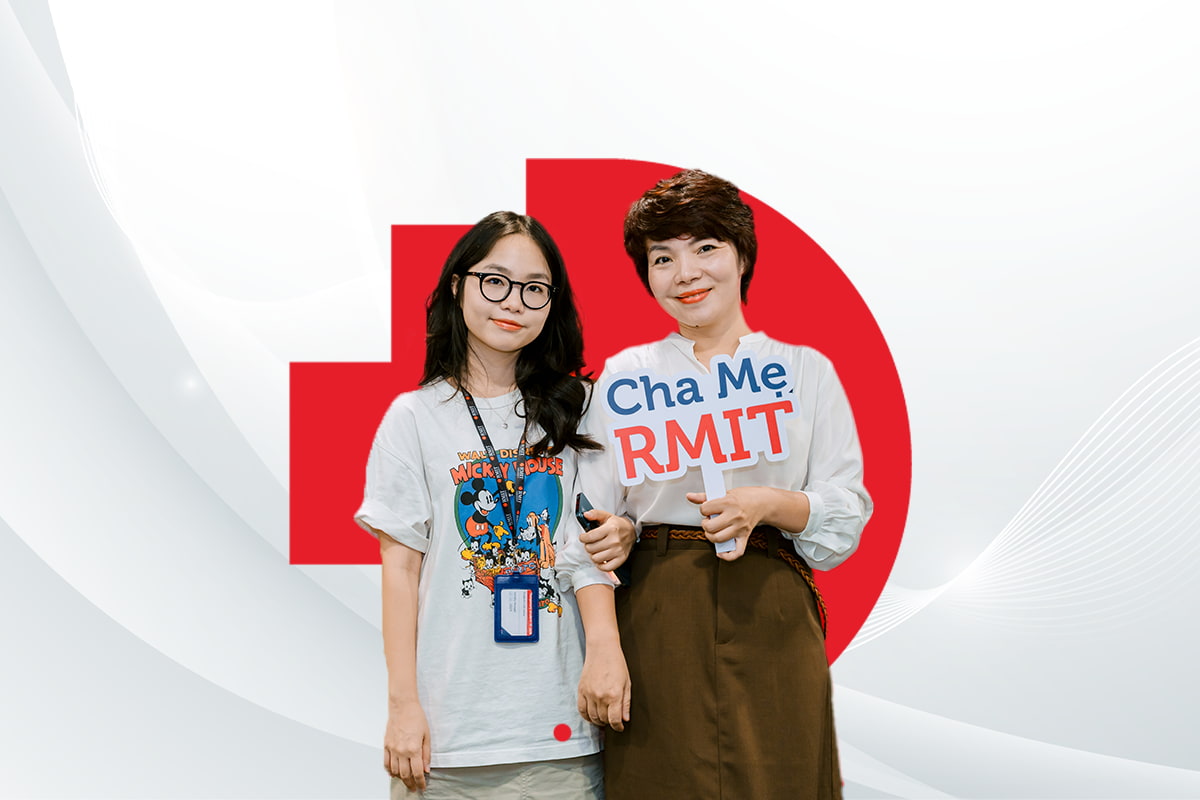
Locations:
(838, 500)
(396, 497)
(573, 567)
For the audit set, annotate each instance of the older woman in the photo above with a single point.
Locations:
(725, 650)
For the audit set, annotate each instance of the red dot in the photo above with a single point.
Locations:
(562, 732)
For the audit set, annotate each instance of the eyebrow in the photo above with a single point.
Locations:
(496, 267)
(690, 240)
(543, 277)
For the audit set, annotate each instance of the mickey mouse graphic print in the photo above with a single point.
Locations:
(432, 487)
(489, 547)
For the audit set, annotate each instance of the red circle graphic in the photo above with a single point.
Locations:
(799, 295)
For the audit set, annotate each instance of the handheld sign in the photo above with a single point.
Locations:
(714, 487)
(662, 425)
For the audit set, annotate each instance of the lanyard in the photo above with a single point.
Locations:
(512, 511)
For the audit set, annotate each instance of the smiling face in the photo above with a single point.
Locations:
(506, 326)
(698, 282)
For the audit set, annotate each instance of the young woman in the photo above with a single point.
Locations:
(731, 689)
(468, 483)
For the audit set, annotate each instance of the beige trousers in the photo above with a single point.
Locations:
(579, 778)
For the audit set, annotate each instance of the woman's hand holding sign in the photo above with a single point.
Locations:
(732, 516)
(741, 510)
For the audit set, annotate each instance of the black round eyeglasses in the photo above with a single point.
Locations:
(494, 287)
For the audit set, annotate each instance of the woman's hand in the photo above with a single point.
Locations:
(733, 516)
(603, 696)
(608, 543)
(406, 744)
(743, 509)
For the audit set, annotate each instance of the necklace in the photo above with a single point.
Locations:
(504, 415)
(501, 415)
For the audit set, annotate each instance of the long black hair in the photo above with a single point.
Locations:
(554, 391)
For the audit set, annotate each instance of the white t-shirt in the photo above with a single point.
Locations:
(825, 460)
(430, 487)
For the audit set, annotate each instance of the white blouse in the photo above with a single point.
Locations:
(825, 460)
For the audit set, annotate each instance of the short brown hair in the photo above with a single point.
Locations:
(691, 203)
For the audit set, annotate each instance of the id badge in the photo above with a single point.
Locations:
(516, 606)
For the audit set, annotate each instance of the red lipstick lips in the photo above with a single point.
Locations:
(693, 296)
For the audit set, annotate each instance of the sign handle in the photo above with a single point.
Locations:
(714, 487)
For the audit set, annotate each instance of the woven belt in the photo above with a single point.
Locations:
(765, 537)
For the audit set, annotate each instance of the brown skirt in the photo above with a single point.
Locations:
(731, 688)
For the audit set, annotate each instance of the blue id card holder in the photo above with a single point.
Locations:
(516, 607)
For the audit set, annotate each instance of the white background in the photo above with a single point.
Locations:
(194, 194)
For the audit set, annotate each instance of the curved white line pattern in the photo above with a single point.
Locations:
(1114, 523)
(896, 604)
(913, 753)
(1112, 526)
(133, 469)
(135, 487)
